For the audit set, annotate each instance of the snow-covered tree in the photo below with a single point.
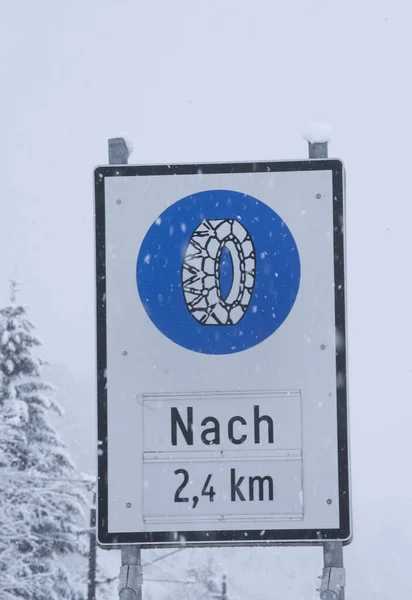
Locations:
(207, 576)
(41, 497)
(195, 579)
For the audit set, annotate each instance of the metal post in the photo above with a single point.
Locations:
(118, 152)
(333, 574)
(91, 579)
(318, 150)
(131, 574)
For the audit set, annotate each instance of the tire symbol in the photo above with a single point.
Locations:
(201, 272)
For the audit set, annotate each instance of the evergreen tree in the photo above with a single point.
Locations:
(201, 579)
(207, 576)
(41, 503)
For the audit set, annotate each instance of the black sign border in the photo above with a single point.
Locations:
(237, 537)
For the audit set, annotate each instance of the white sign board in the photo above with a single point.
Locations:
(221, 354)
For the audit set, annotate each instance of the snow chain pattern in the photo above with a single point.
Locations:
(201, 268)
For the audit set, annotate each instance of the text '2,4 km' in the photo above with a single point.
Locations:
(256, 490)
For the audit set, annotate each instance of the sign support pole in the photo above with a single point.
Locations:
(131, 574)
(91, 579)
(333, 574)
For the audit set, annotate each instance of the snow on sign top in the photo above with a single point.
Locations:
(222, 394)
(317, 133)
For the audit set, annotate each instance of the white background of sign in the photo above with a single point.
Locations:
(291, 359)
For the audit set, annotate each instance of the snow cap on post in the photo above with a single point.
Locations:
(318, 135)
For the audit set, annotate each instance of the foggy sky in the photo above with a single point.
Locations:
(212, 81)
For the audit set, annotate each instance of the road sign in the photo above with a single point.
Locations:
(221, 354)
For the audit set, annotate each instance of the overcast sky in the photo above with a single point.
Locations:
(210, 81)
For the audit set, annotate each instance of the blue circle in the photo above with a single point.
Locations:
(159, 272)
(225, 273)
